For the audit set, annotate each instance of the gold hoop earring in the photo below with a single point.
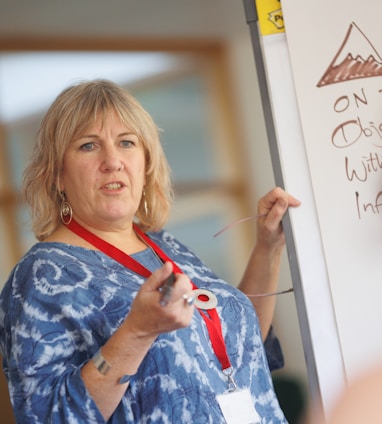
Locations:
(66, 211)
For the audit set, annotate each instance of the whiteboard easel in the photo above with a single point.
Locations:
(308, 267)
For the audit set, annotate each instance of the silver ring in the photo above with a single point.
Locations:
(188, 300)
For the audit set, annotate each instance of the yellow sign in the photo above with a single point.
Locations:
(270, 15)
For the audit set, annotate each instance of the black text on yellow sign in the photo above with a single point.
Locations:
(270, 15)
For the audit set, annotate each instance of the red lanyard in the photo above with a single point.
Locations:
(212, 320)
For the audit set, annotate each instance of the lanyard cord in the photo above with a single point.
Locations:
(212, 321)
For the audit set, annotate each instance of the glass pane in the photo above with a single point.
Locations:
(25, 234)
(21, 137)
(179, 107)
(29, 82)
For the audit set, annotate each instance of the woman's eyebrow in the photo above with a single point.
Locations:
(123, 134)
(87, 136)
(127, 133)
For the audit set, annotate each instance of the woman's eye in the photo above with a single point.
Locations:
(127, 143)
(87, 146)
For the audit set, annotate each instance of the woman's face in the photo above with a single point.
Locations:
(103, 174)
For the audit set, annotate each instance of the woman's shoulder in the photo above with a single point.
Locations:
(37, 252)
(57, 250)
(50, 259)
(49, 251)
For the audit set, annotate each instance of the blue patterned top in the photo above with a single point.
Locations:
(62, 302)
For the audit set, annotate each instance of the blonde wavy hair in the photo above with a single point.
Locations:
(68, 118)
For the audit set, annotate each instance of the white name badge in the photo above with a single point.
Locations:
(237, 407)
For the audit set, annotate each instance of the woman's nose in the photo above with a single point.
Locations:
(111, 161)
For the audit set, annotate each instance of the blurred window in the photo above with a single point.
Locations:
(180, 92)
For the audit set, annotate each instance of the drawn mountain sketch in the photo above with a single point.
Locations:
(356, 58)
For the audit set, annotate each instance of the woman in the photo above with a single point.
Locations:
(89, 332)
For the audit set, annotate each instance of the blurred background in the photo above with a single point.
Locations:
(191, 65)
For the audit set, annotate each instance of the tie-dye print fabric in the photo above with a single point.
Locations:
(61, 303)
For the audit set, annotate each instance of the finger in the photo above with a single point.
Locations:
(267, 202)
(276, 201)
(293, 202)
(158, 277)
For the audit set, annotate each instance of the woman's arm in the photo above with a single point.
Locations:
(262, 272)
(43, 341)
(128, 346)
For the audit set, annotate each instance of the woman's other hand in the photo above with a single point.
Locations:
(271, 209)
